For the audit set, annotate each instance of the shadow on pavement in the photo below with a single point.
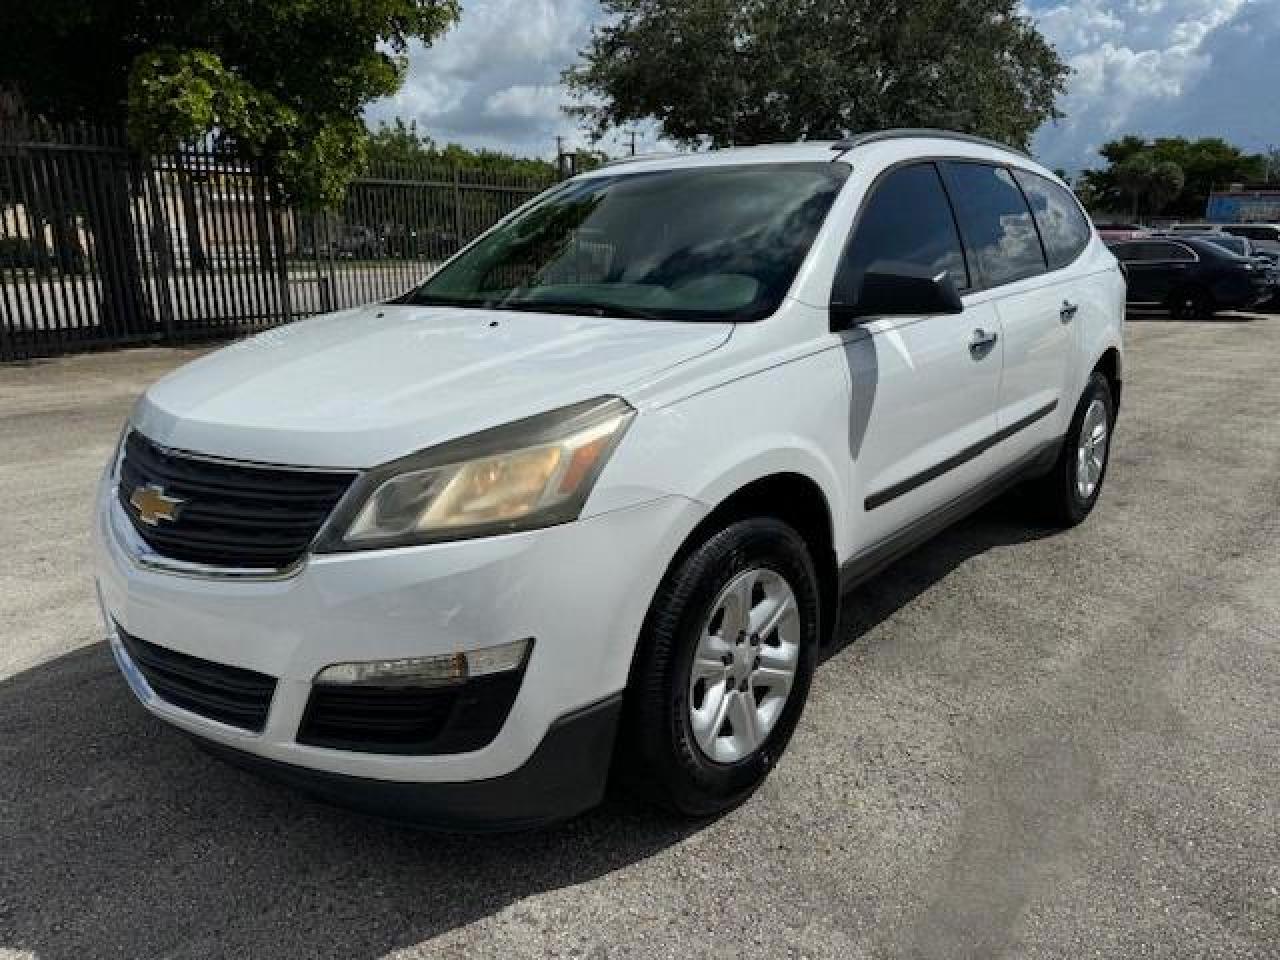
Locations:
(121, 838)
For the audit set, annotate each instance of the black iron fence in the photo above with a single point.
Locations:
(102, 247)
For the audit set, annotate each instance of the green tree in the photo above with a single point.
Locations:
(1165, 184)
(283, 81)
(403, 144)
(1205, 164)
(754, 71)
(1148, 185)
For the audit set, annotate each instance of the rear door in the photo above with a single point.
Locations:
(923, 388)
(1003, 243)
(1155, 268)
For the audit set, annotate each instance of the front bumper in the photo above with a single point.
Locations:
(565, 775)
(580, 590)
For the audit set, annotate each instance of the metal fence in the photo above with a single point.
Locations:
(102, 247)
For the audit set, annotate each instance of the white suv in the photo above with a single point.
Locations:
(590, 495)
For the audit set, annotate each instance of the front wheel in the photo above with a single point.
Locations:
(723, 668)
(1070, 489)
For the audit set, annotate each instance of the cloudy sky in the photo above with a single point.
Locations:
(1154, 67)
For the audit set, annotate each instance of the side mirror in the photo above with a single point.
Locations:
(893, 289)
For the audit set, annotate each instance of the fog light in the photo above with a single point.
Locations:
(436, 671)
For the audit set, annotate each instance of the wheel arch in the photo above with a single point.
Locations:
(797, 500)
(1111, 366)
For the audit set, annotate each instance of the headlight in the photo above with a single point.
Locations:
(117, 456)
(531, 473)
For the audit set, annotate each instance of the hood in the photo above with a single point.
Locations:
(361, 387)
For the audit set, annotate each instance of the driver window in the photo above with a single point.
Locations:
(908, 219)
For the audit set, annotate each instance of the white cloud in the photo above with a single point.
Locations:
(1151, 67)
(1147, 66)
(526, 100)
(494, 79)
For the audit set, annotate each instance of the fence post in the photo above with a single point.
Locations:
(457, 206)
(161, 246)
(282, 259)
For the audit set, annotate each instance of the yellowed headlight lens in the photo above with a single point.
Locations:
(494, 492)
(494, 489)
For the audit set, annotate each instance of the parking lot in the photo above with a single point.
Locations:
(1029, 743)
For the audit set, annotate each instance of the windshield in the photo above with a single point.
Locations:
(697, 243)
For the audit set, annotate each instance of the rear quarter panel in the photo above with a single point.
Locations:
(1100, 322)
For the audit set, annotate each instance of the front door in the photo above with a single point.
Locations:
(924, 389)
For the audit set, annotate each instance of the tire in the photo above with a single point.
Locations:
(1063, 493)
(1191, 303)
(689, 764)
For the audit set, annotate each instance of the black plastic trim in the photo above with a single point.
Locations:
(408, 720)
(231, 695)
(915, 133)
(565, 776)
(881, 497)
(861, 567)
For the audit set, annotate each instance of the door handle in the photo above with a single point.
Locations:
(982, 341)
(1068, 311)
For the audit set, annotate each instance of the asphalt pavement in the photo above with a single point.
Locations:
(1029, 743)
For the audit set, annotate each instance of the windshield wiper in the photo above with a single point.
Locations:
(431, 300)
(578, 307)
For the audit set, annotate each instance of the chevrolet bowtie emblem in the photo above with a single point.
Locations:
(153, 505)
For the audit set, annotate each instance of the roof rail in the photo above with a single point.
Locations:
(904, 133)
(635, 158)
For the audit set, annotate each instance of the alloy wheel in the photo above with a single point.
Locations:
(1091, 449)
(744, 666)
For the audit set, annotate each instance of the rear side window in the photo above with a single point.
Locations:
(1146, 251)
(1167, 251)
(999, 233)
(907, 219)
(1255, 233)
(1063, 228)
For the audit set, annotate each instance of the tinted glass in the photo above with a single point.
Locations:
(1169, 251)
(907, 220)
(688, 244)
(1063, 226)
(1147, 250)
(998, 230)
(1237, 245)
(1255, 233)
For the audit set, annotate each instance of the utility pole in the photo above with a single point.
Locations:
(562, 166)
(632, 135)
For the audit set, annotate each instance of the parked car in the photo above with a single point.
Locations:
(359, 243)
(1116, 232)
(1267, 261)
(559, 510)
(1191, 277)
(1265, 237)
